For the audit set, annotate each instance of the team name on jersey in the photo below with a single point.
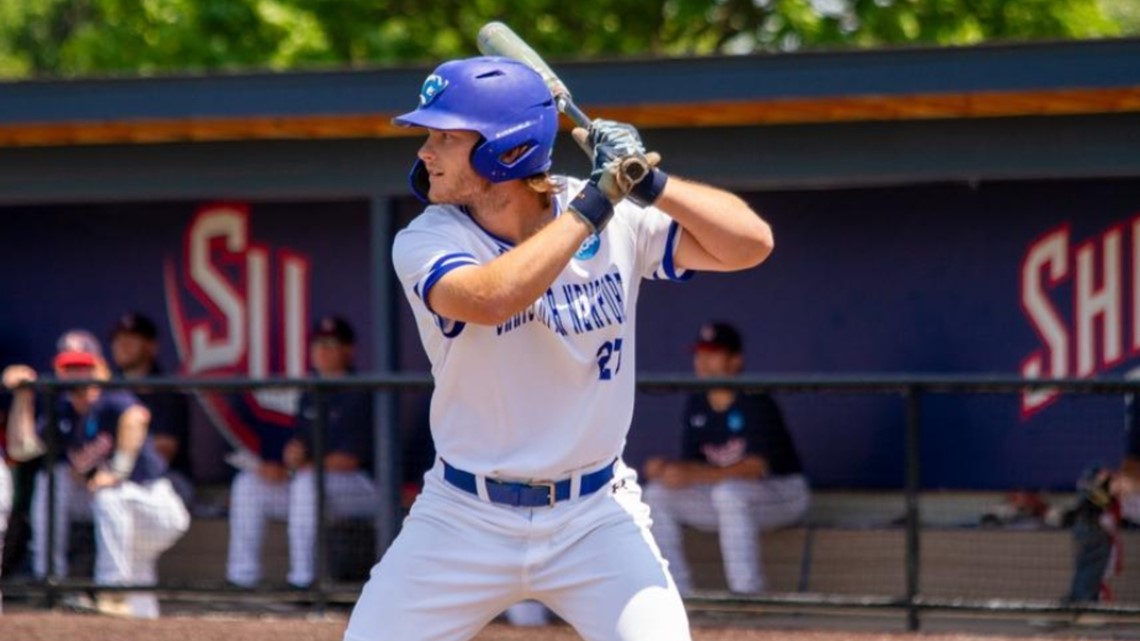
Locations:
(575, 308)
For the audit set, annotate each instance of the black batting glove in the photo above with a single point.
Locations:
(615, 145)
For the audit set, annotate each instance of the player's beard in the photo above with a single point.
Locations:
(462, 187)
(486, 201)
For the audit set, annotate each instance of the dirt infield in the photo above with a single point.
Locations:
(51, 626)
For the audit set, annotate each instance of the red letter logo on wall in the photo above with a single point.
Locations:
(1083, 302)
(243, 298)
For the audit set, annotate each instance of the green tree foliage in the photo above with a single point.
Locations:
(82, 37)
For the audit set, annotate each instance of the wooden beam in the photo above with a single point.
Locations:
(694, 114)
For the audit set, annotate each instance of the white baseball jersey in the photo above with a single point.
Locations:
(551, 390)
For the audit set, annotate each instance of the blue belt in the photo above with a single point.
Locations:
(527, 494)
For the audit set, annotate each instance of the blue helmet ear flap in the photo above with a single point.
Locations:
(418, 180)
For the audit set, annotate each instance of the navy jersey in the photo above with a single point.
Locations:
(1131, 427)
(89, 441)
(753, 424)
(170, 416)
(348, 424)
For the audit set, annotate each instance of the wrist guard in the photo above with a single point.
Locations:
(648, 190)
(592, 206)
(122, 464)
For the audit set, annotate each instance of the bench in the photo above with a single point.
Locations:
(851, 543)
(199, 557)
(961, 562)
(854, 543)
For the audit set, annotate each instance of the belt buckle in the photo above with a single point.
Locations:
(550, 486)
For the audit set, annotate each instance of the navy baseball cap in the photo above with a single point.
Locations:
(135, 323)
(77, 348)
(334, 327)
(717, 335)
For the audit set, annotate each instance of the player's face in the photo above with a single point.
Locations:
(716, 363)
(131, 350)
(447, 157)
(81, 397)
(330, 357)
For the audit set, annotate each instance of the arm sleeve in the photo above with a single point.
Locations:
(1131, 427)
(421, 257)
(658, 236)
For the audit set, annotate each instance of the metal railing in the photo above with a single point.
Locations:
(912, 389)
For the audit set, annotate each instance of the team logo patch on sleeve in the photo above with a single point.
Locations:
(433, 86)
(589, 247)
(735, 421)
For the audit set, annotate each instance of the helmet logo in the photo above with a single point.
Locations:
(433, 86)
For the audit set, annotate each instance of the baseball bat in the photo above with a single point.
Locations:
(497, 39)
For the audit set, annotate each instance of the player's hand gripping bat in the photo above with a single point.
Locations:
(497, 39)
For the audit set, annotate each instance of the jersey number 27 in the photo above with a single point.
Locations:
(609, 350)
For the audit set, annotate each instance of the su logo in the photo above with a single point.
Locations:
(229, 299)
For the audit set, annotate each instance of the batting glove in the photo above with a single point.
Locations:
(612, 143)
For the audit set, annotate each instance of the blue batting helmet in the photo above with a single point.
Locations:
(503, 100)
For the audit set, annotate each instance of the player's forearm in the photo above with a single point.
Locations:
(723, 225)
(492, 293)
(132, 430)
(23, 443)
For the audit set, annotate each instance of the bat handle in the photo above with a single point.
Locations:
(567, 106)
(634, 169)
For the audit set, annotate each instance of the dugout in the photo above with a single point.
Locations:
(910, 189)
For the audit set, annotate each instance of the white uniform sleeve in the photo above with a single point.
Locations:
(658, 236)
(422, 255)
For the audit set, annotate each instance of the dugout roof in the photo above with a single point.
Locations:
(887, 116)
(808, 87)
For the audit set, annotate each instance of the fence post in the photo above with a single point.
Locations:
(52, 436)
(913, 480)
(321, 405)
(387, 472)
(385, 294)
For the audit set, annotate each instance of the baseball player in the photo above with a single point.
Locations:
(5, 506)
(348, 488)
(739, 472)
(134, 355)
(524, 288)
(108, 472)
(1105, 498)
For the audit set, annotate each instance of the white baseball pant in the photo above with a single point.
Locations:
(738, 510)
(5, 509)
(459, 561)
(134, 524)
(253, 501)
